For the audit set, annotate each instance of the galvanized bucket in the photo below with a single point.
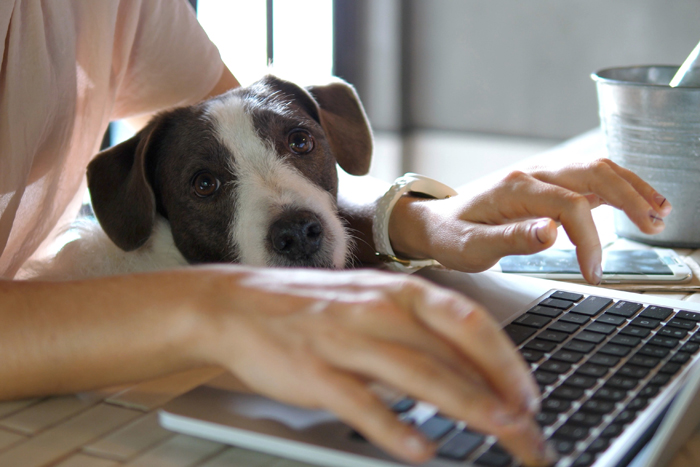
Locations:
(654, 130)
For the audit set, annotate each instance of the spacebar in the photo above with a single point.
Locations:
(518, 333)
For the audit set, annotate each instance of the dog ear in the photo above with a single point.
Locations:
(345, 123)
(122, 197)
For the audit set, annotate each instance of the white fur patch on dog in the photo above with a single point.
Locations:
(266, 186)
(93, 254)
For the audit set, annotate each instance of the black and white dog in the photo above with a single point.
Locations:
(246, 177)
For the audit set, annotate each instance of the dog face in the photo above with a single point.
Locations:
(248, 176)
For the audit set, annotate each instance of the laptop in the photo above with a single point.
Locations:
(618, 372)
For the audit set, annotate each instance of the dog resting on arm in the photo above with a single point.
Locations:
(246, 177)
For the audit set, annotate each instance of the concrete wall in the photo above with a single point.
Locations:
(508, 67)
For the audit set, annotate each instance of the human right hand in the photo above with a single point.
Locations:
(316, 339)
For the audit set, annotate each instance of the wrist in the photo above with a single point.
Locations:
(408, 228)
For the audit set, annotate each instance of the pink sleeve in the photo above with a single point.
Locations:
(162, 57)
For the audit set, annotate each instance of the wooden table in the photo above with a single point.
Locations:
(117, 426)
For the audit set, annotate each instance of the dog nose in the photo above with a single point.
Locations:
(296, 234)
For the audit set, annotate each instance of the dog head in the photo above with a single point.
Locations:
(248, 176)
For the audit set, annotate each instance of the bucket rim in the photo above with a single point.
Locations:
(596, 76)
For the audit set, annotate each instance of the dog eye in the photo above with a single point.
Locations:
(205, 184)
(300, 142)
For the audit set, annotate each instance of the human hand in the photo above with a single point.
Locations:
(317, 339)
(520, 214)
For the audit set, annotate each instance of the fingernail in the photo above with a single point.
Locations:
(660, 199)
(597, 274)
(415, 444)
(542, 232)
(531, 399)
(655, 217)
(501, 417)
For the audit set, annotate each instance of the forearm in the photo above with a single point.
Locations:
(63, 337)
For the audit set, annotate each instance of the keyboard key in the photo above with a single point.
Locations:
(622, 382)
(615, 350)
(680, 357)
(572, 432)
(589, 420)
(588, 369)
(563, 446)
(436, 427)
(649, 391)
(461, 445)
(546, 418)
(581, 381)
(662, 341)
(555, 367)
(601, 407)
(606, 329)
(556, 303)
(631, 371)
(611, 431)
(625, 417)
(628, 341)
(553, 336)
(567, 356)
(653, 351)
(635, 331)
(542, 346)
(609, 318)
(607, 393)
(551, 404)
(647, 323)
(544, 377)
(569, 296)
(546, 311)
(682, 323)
(637, 404)
(567, 393)
(568, 328)
(670, 368)
(604, 360)
(689, 315)
(584, 460)
(695, 338)
(656, 312)
(675, 333)
(625, 309)
(689, 347)
(575, 318)
(659, 379)
(494, 458)
(531, 356)
(533, 321)
(578, 346)
(591, 306)
(642, 360)
(519, 334)
(598, 445)
(593, 337)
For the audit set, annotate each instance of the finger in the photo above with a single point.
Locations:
(618, 187)
(482, 342)
(355, 404)
(426, 378)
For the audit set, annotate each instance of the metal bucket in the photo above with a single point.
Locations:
(654, 130)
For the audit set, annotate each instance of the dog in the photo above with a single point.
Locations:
(246, 177)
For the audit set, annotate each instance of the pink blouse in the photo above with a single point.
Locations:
(68, 68)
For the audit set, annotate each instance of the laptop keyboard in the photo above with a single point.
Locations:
(598, 363)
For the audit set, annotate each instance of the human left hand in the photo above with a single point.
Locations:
(519, 215)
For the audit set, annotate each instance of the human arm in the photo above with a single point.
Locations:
(305, 337)
(518, 215)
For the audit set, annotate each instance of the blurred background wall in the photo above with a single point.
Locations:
(455, 88)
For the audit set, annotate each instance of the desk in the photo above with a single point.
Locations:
(118, 427)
